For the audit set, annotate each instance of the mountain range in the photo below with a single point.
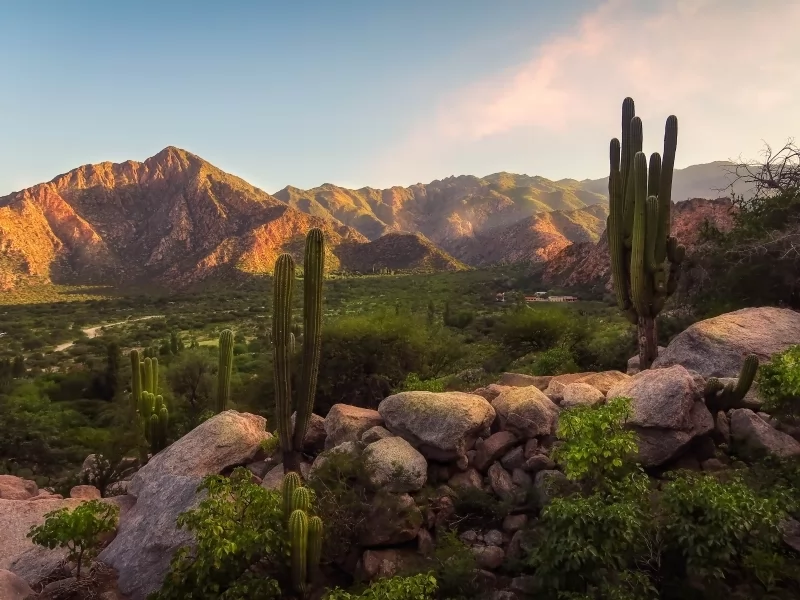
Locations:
(175, 219)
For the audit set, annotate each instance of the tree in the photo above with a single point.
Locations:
(18, 367)
(191, 379)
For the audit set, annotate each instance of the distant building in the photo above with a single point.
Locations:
(535, 299)
(541, 294)
(562, 299)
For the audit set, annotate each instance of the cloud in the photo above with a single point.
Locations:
(725, 67)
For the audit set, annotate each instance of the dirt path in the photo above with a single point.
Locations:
(93, 332)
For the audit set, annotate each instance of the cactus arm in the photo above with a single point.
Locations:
(651, 226)
(298, 539)
(315, 537)
(665, 186)
(615, 228)
(313, 272)
(281, 324)
(225, 369)
(654, 174)
(631, 189)
(301, 499)
(136, 377)
(639, 282)
(626, 159)
(746, 376)
(155, 375)
(291, 482)
(148, 374)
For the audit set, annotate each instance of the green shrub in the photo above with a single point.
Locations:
(240, 548)
(721, 528)
(416, 587)
(596, 447)
(79, 530)
(555, 361)
(456, 568)
(779, 383)
(412, 382)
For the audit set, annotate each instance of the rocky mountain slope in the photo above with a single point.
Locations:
(586, 264)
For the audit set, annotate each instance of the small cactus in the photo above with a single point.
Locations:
(301, 499)
(291, 482)
(315, 531)
(725, 397)
(298, 537)
(225, 369)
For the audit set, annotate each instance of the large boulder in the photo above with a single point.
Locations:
(555, 389)
(37, 564)
(633, 362)
(167, 486)
(314, 440)
(16, 519)
(493, 448)
(717, 347)
(753, 437)
(17, 488)
(441, 425)
(521, 380)
(667, 412)
(581, 394)
(13, 587)
(85, 492)
(352, 450)
(394, 465)
(604, 380)
(346, 423)
(526, 412)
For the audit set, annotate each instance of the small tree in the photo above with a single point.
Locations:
(78, 530)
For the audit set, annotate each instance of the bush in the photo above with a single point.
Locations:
(78, 530)
(456, 568)
(412, 382)
(416, 587)
(555, 361)
(533, 329)
(240, 544)
(779, 383)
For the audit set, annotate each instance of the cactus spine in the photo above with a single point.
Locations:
(225, 369)
(721, 396)
(645, 259)
(283, 344)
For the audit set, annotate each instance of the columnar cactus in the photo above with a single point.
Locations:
(298, 542)
(151, 409)
(721, 396)
(301, 499)
(225, 369)
(644, 257)
(315, 533)
(136, 377)
(283, 345)
(291, 482)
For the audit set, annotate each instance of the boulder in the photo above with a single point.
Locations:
(470, 478)
(345, 423)
(392, 519)
(501, 483)
(526, 412)
(350, 449)
(520, 380)
(388, 563)
(753, 437)
(492, 448)
(37, 563)
(395, 465)
(85, 492)
(16, 519)
(658, 446)
(513, 523)
(581, 394)
(514, 458)
(13, 587)
(790, 533)
(425, 544)
(491, 391)
(273, 479)
(722, 428)
(167, 486)
(555, 389)
(314, 440)
(538, 462)
(373, 434)
(604, 380)
(17, 488)
(717, 347)
(633, 362)
(442, 426)
(488, 557)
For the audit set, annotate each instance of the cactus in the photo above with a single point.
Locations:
(153, 413)
(645, 259)
(315, 531)
(725, 397)
(225, 369)
(291, 482)
(136, 377)
(298, 540)
(301, 499)
(283, 342)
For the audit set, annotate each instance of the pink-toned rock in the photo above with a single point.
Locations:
(345, 423)
(604, 380)
(520, 380)
(491, 391)
(492, 448)
(501, 482)
(581, 394)
(85, 492)
(17, 488)
(387, 563)
(526, 412)
(489, 557)
(470, 478)
(13, 587)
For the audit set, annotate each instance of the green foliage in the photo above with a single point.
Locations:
(190, 378)
(456, 568)
(535, 329)
(78, 530)
(555, 361)
(416, 587)
(596, 447)
(718, 528)
(225, 369)
(241, 544)
(779, 383)
(412, 382)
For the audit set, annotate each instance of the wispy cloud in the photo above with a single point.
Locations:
(728, 68)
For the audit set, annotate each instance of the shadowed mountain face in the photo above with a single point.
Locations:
(175, 219)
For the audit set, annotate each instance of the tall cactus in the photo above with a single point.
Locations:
(283, 344)
(136, 377)
(721, 396)
(225, 369)
(291, 482)
(645, 259)
(315, 536)
(298, 540)
(151, 409)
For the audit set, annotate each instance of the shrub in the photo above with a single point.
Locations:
(78, 530)
(412, 382)
(596, 447)
(417, 587)
(240, 548)
(527, 329)
(779, 383)
(555, 361)
(456, 568)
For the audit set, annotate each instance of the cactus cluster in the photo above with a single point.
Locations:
(291, 439)
(149, 405)
(721, 396)
(225, 369)
(305, 531)
(645, 258)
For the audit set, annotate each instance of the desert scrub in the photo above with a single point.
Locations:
(416, 587)
(779, 384)
(79, 530)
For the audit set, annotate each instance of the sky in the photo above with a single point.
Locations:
(365, 93)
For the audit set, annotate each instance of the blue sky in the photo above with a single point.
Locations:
(386, 93)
